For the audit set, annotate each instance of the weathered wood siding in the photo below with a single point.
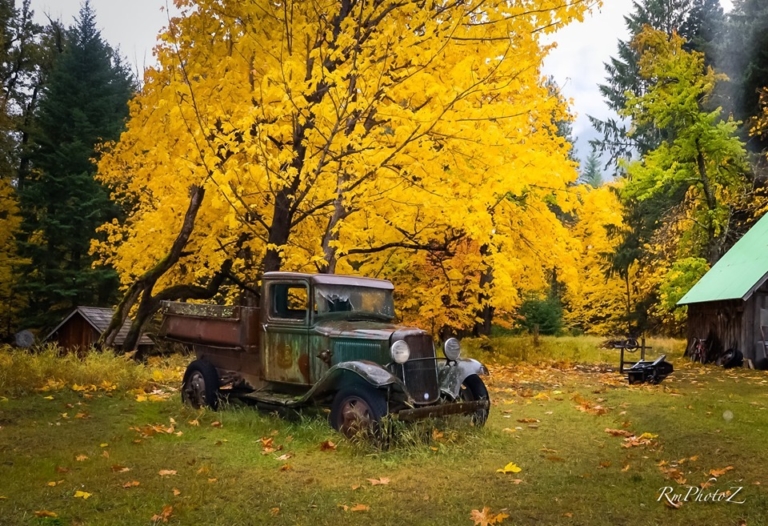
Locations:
(76, 333)
(752, 337)
(720, 322)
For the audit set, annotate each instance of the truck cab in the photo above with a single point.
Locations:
(324, 339)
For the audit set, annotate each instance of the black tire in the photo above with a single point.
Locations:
(732, 358)
(473, 388)
(200, 387)
(358, 409)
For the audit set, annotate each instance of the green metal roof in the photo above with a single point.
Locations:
(738, 273)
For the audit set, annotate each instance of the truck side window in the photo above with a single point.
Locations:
(288, 301)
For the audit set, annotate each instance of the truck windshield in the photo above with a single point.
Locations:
(354, 301)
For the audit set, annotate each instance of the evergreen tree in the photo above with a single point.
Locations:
(84, 103)
(591, 173)
(743, 56)
(694, 20)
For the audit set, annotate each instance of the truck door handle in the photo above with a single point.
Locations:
(325, 356)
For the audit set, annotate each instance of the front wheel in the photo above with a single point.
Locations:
(358, 409)
(473, 389)
(200, 387)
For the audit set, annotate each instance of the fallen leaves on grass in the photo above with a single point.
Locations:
(131, 484)
(356, 507)
(274, 511)
(194, 423)
(166, 472)
(176, 492)
(216, 424)
(60, 469)
(327, 446)
(382, 481)
(720, 472)
(55, 483)
(46, 514)
(618, 432)
(82, 495)
(510, 468)
(486, 517)
(285, 456)
(163, 515)
(646, 439)
(81, 458)
(117, 468)
(528, 420)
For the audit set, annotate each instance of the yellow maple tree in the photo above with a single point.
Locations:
(10, 221)
(596, 303)
(414, 140)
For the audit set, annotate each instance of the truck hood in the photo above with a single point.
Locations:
(364, 330)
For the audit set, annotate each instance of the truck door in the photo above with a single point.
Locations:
(286, 332)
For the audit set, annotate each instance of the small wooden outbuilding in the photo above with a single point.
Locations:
(85, 325)
(729, 304)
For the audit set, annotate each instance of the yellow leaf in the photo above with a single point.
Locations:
(327, 446)
(78, 388)
(719, 472)
(82, 495)
(360, 507)
(486, 518)
(194, 422)
(131, 484)
(379, 482)
(510, 468)
(81, 458)
(166, 472)
(274, 511)
(164, 515)
(46, 513)
(103, 444)
(48, 398)
(176, 492)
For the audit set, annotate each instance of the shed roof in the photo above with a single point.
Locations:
(739, 272)
(99, 318)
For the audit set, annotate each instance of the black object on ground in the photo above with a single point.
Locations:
(652, 372)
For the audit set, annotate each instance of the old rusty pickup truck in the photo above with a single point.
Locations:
(329, 340)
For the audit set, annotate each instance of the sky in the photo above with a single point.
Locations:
(576, 64)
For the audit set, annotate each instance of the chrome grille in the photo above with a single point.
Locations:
(420, 371)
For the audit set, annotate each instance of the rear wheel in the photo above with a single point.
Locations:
(200, 387)
(358, 409)
(473, 389)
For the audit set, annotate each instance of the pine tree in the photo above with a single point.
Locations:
(743, 56)
(694, 20)
(591, 173)
(83, 104)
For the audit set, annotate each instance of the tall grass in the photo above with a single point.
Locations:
(49, 369)
(572, 349)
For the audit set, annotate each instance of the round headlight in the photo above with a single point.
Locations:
(400, 351)
(452, 349)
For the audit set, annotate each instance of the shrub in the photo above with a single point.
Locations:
(23, 372)
(547, 314)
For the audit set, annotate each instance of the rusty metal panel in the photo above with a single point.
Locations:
(235, 327)
(286, 357)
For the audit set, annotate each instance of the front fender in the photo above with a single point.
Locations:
(452, 374)
(345, 373)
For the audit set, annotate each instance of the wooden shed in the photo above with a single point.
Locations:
(729, 304)
(85, 325)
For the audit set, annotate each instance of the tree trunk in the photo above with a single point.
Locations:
(144, 285)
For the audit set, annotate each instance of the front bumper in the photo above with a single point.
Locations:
(433, 411)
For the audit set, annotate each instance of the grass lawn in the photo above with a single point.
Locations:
(135, 455)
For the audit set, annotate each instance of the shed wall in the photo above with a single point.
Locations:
(720, 322)
(76, 333)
